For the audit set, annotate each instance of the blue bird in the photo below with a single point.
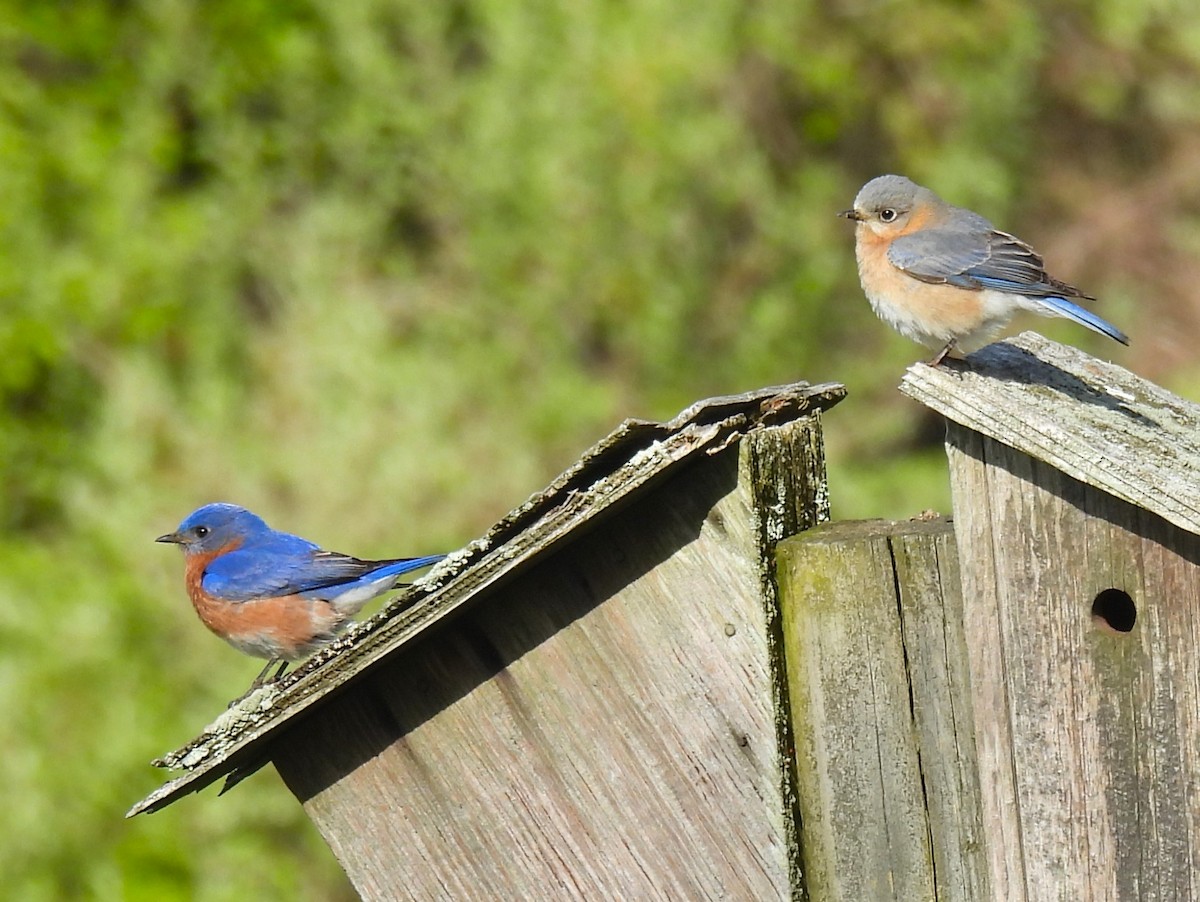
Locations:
(271, 594)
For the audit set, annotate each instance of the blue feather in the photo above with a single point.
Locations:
(1062, 307)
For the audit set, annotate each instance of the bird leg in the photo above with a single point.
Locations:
(262, 675)
(941, 355)
(261, 679)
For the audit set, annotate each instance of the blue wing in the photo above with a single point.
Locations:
(288, 565)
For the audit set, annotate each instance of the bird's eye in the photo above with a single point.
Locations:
(201, 532)
(887, 214)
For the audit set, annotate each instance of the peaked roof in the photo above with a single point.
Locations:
(633, 456)
(1093, 420)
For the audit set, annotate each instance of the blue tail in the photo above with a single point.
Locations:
(404, 565)
(349, 597)
(1062, 307)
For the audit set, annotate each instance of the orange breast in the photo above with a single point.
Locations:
(931, 314)
(284, 627)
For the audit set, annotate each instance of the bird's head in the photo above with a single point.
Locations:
(888, 204)
(213, 527)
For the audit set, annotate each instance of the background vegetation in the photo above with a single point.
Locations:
(379, 269)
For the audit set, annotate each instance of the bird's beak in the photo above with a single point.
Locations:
(172, 538)
(852, 214)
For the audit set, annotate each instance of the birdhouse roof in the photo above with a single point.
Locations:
(1095, 421)
(622, 465)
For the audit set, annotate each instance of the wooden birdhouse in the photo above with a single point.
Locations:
(667, 676)
(1077, 515)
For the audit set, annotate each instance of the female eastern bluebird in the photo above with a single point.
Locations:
(271, 594)
(946, 277)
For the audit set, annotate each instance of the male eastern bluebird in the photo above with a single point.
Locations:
(946, 277)
(271, 594)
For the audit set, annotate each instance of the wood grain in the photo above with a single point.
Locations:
(877, 677)
(601, 726)
(925, 556)
(1089, 738)
(1094, 421)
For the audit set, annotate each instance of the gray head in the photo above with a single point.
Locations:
(215, 526)
(887, 203)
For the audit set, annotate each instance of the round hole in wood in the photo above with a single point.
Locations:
(1115, 609)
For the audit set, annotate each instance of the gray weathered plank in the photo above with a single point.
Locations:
(1088, 738)
(931, 615)
(784, 471)
(1095, 421)
(884, 754)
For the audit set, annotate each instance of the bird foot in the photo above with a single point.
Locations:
(262, 679)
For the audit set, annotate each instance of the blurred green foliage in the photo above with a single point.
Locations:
(378, 270)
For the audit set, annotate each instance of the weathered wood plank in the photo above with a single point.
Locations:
(1095, 421)
(974, 529)
(1089, 737)
(602, 726)
(862, 815)
(931, 616)
(784, 469)
(884, 754)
